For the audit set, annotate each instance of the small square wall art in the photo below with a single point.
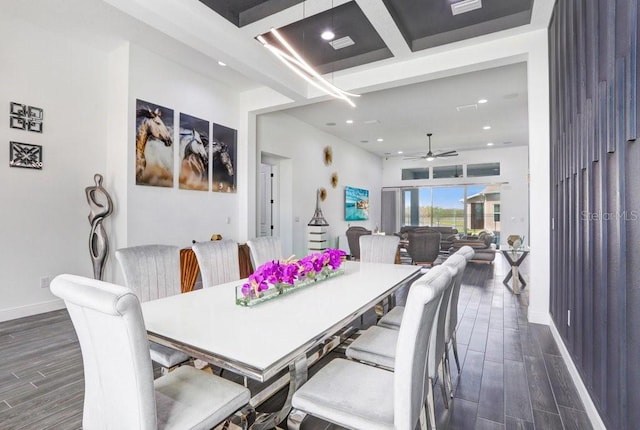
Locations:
(23, 117)
(25, 155)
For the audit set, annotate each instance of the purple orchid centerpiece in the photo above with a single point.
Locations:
(282, 275)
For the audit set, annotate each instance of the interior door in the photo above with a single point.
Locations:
(265, 210)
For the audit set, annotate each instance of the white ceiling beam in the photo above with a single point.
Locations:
(377, 13)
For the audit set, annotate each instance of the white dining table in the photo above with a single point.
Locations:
(260, 341)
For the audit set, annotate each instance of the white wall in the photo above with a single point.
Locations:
(44, 228)
(514, 170)
(88, 97)
(287, 137)
(172, 215)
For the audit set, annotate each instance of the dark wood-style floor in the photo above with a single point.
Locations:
(512, 374)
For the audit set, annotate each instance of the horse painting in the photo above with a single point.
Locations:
(223, 180)
(194, 169)
(150, 127)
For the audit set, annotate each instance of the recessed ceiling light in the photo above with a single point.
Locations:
(380, 139)
(465, 6)
(221, 63)
(486, 127)
(490, 144)
(327, 35)
(349, 121)
(400, 152)
(482, 101)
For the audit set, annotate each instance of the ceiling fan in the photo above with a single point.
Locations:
(430, 156)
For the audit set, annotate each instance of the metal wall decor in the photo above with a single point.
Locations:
(25, 155)
(25, 117)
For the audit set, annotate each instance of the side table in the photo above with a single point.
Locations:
(515, 259)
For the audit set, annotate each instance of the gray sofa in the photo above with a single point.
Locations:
(482, 244)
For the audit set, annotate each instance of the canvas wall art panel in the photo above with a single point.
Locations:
(154, 144)
(25, 155)
(194, 153)
(223, 158)
(356, 204)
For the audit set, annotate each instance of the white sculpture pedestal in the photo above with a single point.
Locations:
(317, 238)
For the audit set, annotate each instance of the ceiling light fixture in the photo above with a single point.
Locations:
(482, 101)
(465, 6)
(380, 139)
(486, 127)
(400, 152)
(327, 35)
(490, 144)
(349, 121)
(299, 66)
(221, 63)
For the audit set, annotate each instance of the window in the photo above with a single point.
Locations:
(440, 172)
(417, 173)
(496, 212)
(484, 169)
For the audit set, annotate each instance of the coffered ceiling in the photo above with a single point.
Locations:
(390, 36)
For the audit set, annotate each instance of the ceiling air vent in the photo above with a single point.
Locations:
(473, 106)
(343, 42)
(465, 6)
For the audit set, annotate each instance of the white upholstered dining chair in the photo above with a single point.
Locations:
(120, 392)
(264, 249)
(394, 317)
(376, 248)
(153, 272)
(377, 344)
(358, 396)
(219, 261)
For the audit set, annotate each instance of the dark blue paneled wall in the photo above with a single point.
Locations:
(595, 165)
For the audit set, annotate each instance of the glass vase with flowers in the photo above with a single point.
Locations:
(276, 278)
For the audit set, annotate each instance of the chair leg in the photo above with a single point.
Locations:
(295, 419)
(423, 418)
(245, 417)
(447, 371)
(431, 410)
(455, 350)
(443, 386)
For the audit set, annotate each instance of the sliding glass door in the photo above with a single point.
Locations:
(467, 208)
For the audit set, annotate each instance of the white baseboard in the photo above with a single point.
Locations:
(28, 310)
(589, 407)
(538, 317)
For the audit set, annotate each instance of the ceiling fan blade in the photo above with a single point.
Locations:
(447, 154)
(421, 157)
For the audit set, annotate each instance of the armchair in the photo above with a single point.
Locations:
(424, 246)
(353, 238)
